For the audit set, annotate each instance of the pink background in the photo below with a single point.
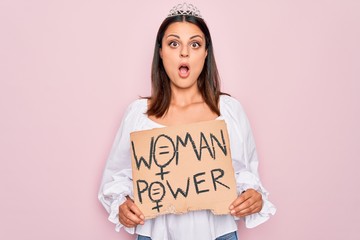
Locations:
(69, 68)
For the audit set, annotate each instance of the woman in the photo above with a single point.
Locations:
(185, 89)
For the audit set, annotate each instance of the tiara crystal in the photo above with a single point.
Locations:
(185, 9)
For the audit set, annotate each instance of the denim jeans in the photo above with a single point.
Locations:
(228, 236)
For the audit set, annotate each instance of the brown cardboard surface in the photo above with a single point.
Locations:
(183, 168)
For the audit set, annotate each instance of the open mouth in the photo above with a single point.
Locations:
(184, 70)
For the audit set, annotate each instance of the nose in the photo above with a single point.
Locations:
(184, 52)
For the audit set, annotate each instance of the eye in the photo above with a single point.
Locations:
(173, 44)
(195, 45)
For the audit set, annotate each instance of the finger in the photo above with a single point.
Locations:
(134, 208)
(130, 214)
(123, 219)
(247, 213)
(247, 208)
(126, 221)
(126, 216)
(251, 204)
(242, 206)
(136, 211)
(239, 200)
(123, 211)
(250, 193)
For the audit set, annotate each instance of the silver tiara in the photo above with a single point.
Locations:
(185, 9)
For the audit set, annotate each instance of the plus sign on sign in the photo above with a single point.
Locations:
(183, 168)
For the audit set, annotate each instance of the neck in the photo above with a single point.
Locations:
(184, 97)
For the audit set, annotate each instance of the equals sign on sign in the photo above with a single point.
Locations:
(164, 152)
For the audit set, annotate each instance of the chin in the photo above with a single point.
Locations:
(185, 85)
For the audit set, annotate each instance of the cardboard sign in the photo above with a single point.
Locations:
(183, 168)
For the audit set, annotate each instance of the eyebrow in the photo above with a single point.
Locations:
(177, 36)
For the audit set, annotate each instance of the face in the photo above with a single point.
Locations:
(183, 54)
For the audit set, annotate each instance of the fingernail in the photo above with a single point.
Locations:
(142, 217)
(142, 222)
(232, 211)
(231, 207)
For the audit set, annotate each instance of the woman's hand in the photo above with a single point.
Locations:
(129, 214)
(247, 203)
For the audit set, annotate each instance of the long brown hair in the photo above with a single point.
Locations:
(208, 82)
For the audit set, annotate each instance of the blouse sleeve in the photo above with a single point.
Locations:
(117, 176)
(245, 159)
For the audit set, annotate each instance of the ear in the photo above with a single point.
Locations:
(206, 52)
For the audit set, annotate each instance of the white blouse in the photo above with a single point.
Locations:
(117, 178)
